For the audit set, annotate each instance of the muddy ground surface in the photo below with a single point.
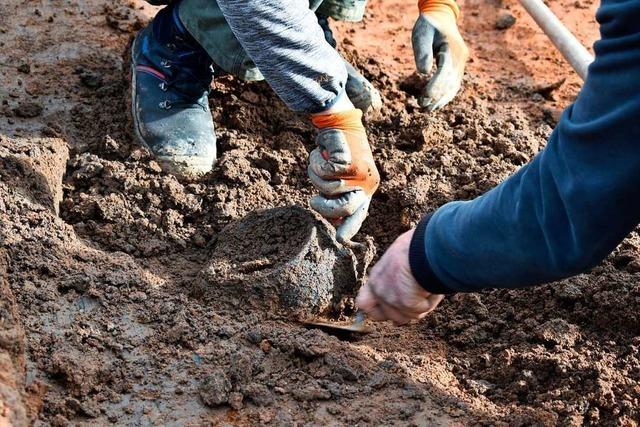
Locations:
(122, 300)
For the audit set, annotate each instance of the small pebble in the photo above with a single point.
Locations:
(505, 20)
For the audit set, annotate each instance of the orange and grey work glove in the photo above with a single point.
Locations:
(435, 34)
(342, 169)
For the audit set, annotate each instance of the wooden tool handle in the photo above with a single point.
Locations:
(572, 50)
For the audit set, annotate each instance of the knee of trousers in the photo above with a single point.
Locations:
(206, 23)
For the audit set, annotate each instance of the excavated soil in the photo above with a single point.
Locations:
(124, 299)
(287, 258)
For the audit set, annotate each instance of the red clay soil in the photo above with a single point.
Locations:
(122, 300)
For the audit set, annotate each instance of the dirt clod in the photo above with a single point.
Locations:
(559, 332)
(36, 166)
(259, 394)
(215, 389)
(90, 78)
(283, 258)
(28, 110)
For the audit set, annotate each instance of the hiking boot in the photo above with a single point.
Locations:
(359, 90)
(171, 78)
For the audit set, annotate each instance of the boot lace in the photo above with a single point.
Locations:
(186, 76)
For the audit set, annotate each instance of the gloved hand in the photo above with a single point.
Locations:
(342, 169)
(360, 91)
(435, 33)
(392, 293)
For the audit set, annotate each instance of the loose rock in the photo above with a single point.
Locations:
(505, 20)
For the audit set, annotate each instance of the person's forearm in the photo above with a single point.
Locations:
(568, 208)
(286, 43)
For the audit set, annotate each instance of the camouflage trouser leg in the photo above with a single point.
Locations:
(206, 23)
(343, 10)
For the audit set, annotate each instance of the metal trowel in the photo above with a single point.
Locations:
(357, 326)
(365, 254)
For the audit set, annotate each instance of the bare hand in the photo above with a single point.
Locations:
(391, 293)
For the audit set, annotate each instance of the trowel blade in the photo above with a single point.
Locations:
(358, 326)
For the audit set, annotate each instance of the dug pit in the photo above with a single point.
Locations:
(280, 259)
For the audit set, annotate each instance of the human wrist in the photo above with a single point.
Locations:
(439, 6)
(348, 119)
(339, 104)
(421, 268)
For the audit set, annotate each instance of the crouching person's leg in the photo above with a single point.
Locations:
(360, 91)
(171, 78)
(206, 23)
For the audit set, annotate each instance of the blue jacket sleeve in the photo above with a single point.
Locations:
(571, 205)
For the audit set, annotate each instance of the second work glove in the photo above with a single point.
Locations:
(342, 169)
(435, 34)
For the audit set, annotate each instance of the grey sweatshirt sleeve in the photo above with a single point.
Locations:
(284, 40)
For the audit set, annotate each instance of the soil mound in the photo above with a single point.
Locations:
(36, 167)
(97, 325)
(283, 258)
(12, 364)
